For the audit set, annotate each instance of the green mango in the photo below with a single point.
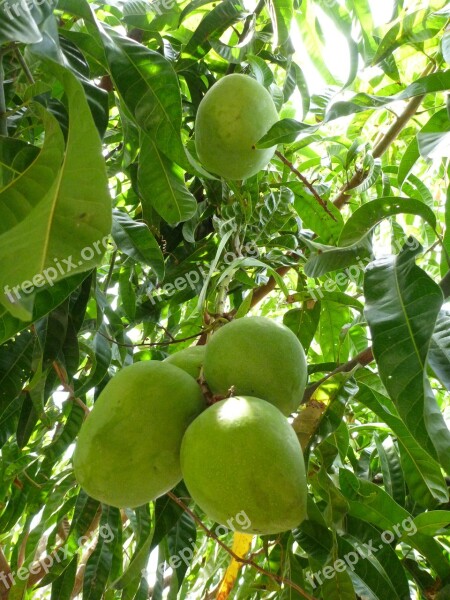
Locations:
(128, 448)
(233, 115)
(257, 357)
(189, 359)
(241, 457)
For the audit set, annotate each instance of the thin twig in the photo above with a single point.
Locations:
(24, 65)
(306, 183)
(246, 561)
(152, 344)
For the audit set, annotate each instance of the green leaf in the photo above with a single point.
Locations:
(333, 259)
(296, 78)
(369, 215)
(303, 322)
(372, 504)
(281, 14)
(141, 555)
(402, 304)
(439, 354)
(15, 367)
(64, 190)
(85, 513)
(149, 87)
(315, 539)
(313, 424)
(422, 473)
(429, 84)
(284, 132)
(181, 539)
(101, 355)
(63, 586)
(433, 522)
(378, 572)
(51, 332)
(439, 123)
(67, 435)
(326, 221)
(391, 469)
(339, 587)
(15, 156)
(213, 24)
(411, 28)
(136, 240)
(45, 300)
(162, 186)
(99, 564)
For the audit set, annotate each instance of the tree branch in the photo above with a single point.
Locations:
(392, 133)
(245, 561)
(363, 359)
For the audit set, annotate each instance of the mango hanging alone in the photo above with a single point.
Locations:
(234, 114)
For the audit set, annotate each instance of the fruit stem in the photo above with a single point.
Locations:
(223, 293)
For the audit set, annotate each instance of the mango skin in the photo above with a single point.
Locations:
(128, 448)
(242, 454)
(259, 357)
(231, 118)
(189, 359)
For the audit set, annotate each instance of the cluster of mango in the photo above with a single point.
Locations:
(152, 425)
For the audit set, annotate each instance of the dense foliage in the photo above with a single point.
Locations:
(345, 238)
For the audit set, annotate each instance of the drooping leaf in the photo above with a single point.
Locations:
(136, 240)
(281, 14)
(63, 190)
(439, 123)
(150, 90)
(99, 564)
(371, 503)
(403, 303)
(439, 354)
(365, 218)
(162, 186)
(422, 473)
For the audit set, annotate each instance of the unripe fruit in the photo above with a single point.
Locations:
(233, 115)
(241, 456)
(128, 448)
(189, 359)
(257, 357)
